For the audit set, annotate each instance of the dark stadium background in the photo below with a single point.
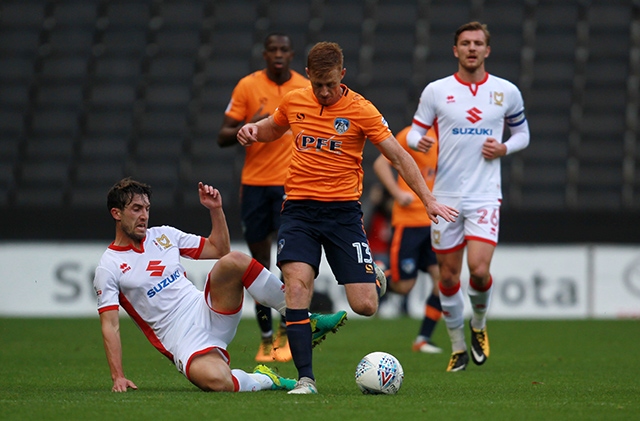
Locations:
(93, 90)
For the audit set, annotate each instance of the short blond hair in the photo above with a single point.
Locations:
(324, 57)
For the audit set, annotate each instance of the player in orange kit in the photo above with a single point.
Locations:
(255, 97)
(330, 124)
(410, 249)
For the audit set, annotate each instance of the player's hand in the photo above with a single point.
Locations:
(492, 149)
(435, 209)
(425, 143)
(121, 384)
(248, 134)
(404, 198)
(209, 196)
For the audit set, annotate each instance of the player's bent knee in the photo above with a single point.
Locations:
(402, 288)
(236, 258)
(215, 385)
(365, 308)
(210, 373)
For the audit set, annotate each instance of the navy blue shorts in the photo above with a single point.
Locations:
(411, 251)
(308, 226)
(260, 211)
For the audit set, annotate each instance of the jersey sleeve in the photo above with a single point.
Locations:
(105, 285)
(280, 114)
(374, 125)
(515, 113)
(190, 245)
(425, 114)
(237, 107)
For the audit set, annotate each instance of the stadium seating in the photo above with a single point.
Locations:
(93, 90)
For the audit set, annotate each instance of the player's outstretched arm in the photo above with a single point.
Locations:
(110, 322)
(265, 130)
(218, 243)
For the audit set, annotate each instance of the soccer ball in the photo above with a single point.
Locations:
(379, 373)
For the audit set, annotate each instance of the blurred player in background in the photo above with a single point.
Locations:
(330, 124)
(410, 249)
(377, 220)
(265, 166)
(469, 110)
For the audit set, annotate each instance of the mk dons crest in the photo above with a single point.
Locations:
(163, 242)
(498, 98)
(436, 236)
(341, 125)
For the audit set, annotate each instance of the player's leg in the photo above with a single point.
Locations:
(281, 348)
(479, 255)
(261, 251)
(256, 224)
(200, 351)
(451, 298)
(299, 254)
(401, 273)
(211, 373)
(481, 233)
(448, 243)
(347, 251)
(299, 277)
(404, 256)
(452, 302)
(432, 313)
(237, 271)
(433, 307)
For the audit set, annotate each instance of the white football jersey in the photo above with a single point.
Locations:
(150, 284)
(465, 115)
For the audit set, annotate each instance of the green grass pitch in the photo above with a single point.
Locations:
(55, 369)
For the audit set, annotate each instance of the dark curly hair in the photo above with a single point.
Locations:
(122, 193)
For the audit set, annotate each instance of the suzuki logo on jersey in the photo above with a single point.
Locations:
(474, 115)
(155, 267)
(304, 142)
(472, 130)
(164, 283)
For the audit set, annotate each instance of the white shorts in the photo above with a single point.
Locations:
(203, 330)
(479, 220)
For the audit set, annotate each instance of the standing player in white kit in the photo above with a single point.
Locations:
(469, 110)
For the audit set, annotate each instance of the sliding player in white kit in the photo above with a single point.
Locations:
(468, 110)
(141, 271)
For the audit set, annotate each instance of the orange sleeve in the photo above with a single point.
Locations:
(415, 215)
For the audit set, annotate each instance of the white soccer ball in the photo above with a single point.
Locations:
(379, 373)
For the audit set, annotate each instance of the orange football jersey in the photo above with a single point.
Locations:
(265, 164)
(415, 215)
(327, 157)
